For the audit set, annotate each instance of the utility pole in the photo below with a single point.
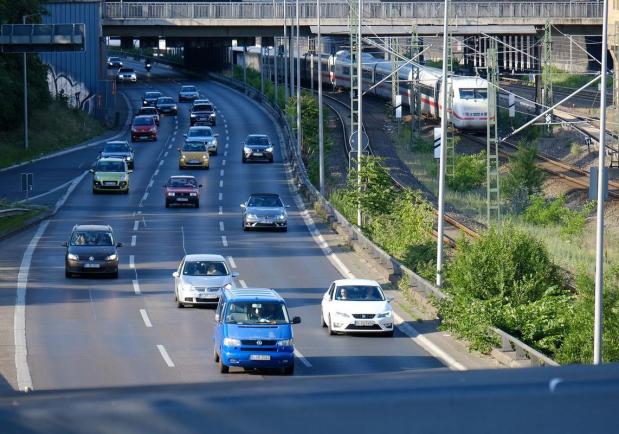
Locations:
(261, 69)
(354, 74)
(395, 82)
(360, 107)
(547, 97)
(599, 241)
(299, 132)
(25, 93)
(285, 58)
(441, 174)
(291, 52)
(415, 98)
(493, 203)
(450, 161)
(321, 150)
(311, 44)
(245, 66)
(275, 55)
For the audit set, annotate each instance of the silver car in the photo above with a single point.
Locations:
(200, 279)
(203, 134)
(127, 75)
(264, 210)
(188, 93)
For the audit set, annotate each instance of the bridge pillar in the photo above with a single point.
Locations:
(126, 43)
(207, 54)
(149, 42)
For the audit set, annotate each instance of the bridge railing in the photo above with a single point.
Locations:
(339, 10)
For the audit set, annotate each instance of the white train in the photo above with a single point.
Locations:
(470, 94)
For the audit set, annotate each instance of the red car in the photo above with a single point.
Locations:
(144, 127)
(182, 190)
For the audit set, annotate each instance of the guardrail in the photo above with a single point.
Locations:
(10, 212)
(564, 10)
(428, 291)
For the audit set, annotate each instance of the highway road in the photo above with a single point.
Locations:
(92, 332)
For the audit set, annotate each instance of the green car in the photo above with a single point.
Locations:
(110, 174)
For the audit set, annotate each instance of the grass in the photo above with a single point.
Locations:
(572, 80)
(13, 222)
(51, 129)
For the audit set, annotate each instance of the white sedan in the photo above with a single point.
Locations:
(356, 306)
(200, 279)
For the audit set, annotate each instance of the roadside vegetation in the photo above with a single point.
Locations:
(52, 124)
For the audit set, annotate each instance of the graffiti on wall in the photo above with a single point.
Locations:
(63, 85)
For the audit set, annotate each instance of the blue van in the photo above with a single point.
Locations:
(253, 330)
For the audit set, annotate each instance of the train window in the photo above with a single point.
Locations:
(346, 70)
(474, 93)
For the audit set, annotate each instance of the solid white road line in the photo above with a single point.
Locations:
(156, 172)
(221, 184)
(183, 238)
(302, 358)
(221, 210)
(136, 225)
(132, 262)
(165, 355)
(231, 262)
(242, 283)
(224, 241)
(24, 380)
(221, 196)
(64, 198)
(144, 197)
(161, 162)
(150, 184)
(221, 226)
(221, 172)
(145, 318)
(136, 287)
(133, 240)
(165, 154)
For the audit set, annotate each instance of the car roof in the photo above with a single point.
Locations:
(204, 257)
(112, 159)
(365, 282)
(182, 176)
(143, 117)
(152, 91)
(187, 85)
(264, 194)
(200, 127)
(117, 142)
(252, 294)
(202, 101)
(92, 228)
(166, 97)
(257, 135)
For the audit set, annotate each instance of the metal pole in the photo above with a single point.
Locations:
(291, 52)
(299, 140)
(275, 54)
(360, 108)
(261, 69)
(285, 57)
(25, 94)
(245, 67)
(321, 151)
(441, 172)
(599, 242)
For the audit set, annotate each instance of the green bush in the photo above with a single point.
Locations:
(470, 172)
(523, 172)
(543, 213)
(507, 279)
(578, 343)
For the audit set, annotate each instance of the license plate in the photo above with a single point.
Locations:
(259, 357)
(92, 266)
(258, 154)
(193, 161)
(109, 183)
(267, 222)
(181, 199)
(364, 323)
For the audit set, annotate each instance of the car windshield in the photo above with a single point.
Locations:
(110, 166)
(205, 268)
(202, 108)
(265, 202)
(114, 59)
(473, 93)
(148, 111)
(194, 147)
(251, 312)
(188, 89)
(91, 238)
(258, 141)
(359, 293)
(166, 100)
(200, 132)
(143, 121)
(182, 182)
(116, 147)
(152, 95)
(126, 70)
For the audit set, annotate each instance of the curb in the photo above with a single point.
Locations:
(27, 224)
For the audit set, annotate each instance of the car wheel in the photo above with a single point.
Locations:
(288, 370)
(215, 356)
(215, 153)
(323, 324)
(197, 204)
(94, 191)
(167, 204)
(244, 160)
(67, 274)
(331, 332)
(389, 334)
(270, 160)
(223, 369)
(126, 191)
(207, 167)
(114, 275)
(179, 304)
(284, 229)
(180, 167)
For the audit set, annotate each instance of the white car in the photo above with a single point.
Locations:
(127, 74)
(200, 279)
(203, 134)
(356, 306)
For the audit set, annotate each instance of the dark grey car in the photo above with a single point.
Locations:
(119, 149)
(91, 249)
(264, 210)
(257, 147)
(166, 106)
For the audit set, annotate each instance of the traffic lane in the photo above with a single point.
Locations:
(52, 298)
(293, 264)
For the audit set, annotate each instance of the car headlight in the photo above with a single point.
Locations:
(269, 149)
(193, 115)
(281, 216)
(212, 115)
(214, 142)
(170, 193)
(73, 257)
(228, 286)
(252, 216)
(186, 287)
(231, 342)
(285, 342)
(246, 149)
(129, 158)
(384, 314)
(111, 257)
(174, 107)
(204, 157)
(342, 315)
(193, 194)
(182, 156)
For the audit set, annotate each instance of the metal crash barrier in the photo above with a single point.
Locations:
(39, 38)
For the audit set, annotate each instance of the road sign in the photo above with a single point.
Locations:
(398, 106)
(27, 183)
(353, 141)
(437, 143)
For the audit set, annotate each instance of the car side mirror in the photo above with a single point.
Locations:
(65, 244)
(287, 206)
(390, 299)
(200, 186)
(184, 135)
(235, 274)
(216, 317)
(217, 135)
(296, 320)
(178, 149)
(119, 244)
(130, 171)
(175, 274)
(242, 205)
(91, 170)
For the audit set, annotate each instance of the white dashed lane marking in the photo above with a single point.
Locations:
(165, 355)
(231, 262)
(221, 226)
(132, 262)
(133, 240)
(302, 358)
(221, 196)
(221, 210)
(150, 184)
(224, 241)
(221, 172)
(221, 184)
(136, 287)
(145, 318)
(242, 283)
(136, 225)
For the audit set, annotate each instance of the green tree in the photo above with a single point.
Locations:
(523, 172)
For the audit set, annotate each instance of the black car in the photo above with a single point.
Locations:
(114, 62)
(203, 114)
(150, 98)
(119, 149)
(166, 106)
(257, 147)
(91, 249)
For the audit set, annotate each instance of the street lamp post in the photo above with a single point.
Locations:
(25, 92)
(299, 140)
(284, 57)
(360, 107)
(321, 151)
